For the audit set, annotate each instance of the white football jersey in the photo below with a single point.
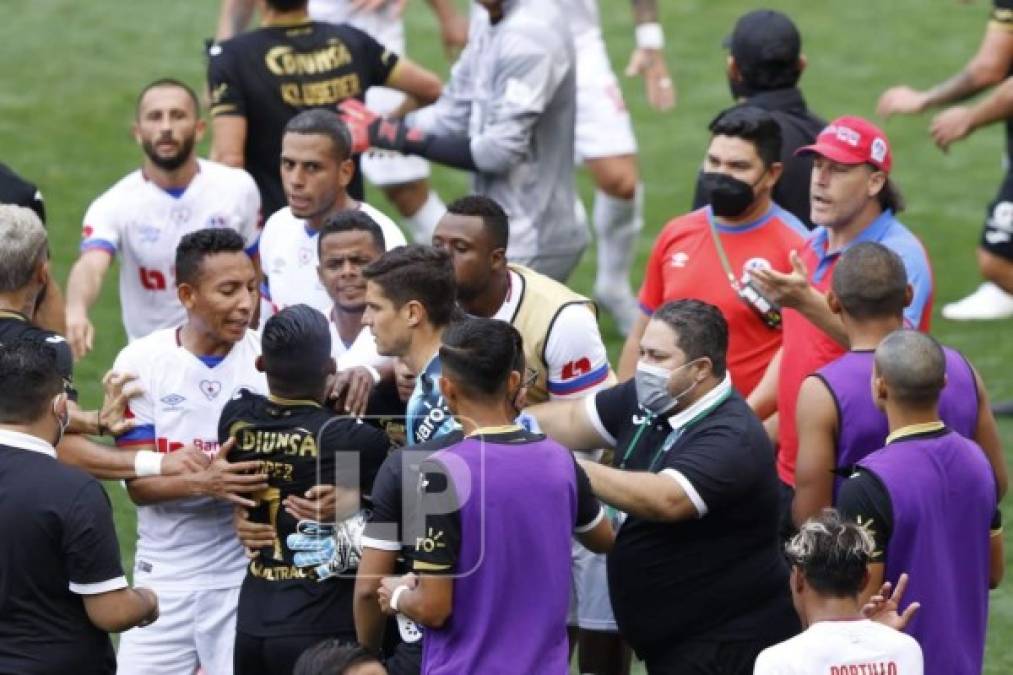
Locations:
(384, 23)
(361, 352)
(144, 224)
(288, 256)
(186, 544)
(843, 647)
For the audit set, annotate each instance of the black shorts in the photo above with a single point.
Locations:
(997, 235)
(706, 657)
(275, 655)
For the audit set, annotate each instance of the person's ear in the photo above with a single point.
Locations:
(414, 313)
(774, 172)
(802, 63)
(42, 271)
(135, 131)
(450, 392)
(187, 295)
(259, 364)
(877, 183)
(705, 368)
(497, 259)
(199, 129)
(909, 295)
(61, 406)
(797, 580)
(732, 69)
(834, 303)
(346, 172)
(879, 391)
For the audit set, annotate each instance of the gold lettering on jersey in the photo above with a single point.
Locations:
(279, 572)
(283, 60)
(293, 442)
(327, 92)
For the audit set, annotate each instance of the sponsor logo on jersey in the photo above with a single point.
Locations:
(210, 388)
(576, 368)
(217, 220)
(679, 259)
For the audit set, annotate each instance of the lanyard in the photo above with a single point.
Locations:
(726, 265)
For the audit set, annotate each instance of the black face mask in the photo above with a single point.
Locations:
(729, 197)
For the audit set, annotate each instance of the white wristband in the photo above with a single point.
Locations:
(148, 463)
(395, 596)
(650, 36)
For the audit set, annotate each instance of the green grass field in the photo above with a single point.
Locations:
(66, 105)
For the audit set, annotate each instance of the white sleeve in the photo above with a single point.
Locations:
(101, 226)
(248, 212)
(575, 354)
(767, 663)
(362, 352)
(131, 359)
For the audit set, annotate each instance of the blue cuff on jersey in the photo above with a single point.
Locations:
(253, 250)
(98, 244)
(143, 434)
(645, 309)
(265, 290)
(585, 381)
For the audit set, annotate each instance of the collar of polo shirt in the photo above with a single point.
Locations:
(16, 439)
(712, 399)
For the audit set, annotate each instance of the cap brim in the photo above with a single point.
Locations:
(832, 152)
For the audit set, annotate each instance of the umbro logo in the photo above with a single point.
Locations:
(172, 400)
(679, 259)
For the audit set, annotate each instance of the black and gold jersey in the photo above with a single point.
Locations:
(299, 444)
(15, 327)
(271, 74)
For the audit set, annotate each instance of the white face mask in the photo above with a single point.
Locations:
(652, 387)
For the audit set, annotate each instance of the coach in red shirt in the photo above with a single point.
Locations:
(708, 254)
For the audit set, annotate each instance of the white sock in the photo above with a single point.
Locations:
(617, 223)
(422, 224)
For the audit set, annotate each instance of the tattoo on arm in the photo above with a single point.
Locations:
(957, 88)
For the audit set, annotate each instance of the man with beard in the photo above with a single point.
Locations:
(146, 214)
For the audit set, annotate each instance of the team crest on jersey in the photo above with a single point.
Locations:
(752, 265)
(210, 388)
(179, 215)
(172, 401)
(305, 256)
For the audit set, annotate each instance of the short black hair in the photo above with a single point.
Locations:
(832, 554)
(296, 346)
(168, 82)
(479, 354)
(701, 331)
(417, 272)
(494, 218)
(352, 221)
(332, 657)
(870, 281)
(195, 247)
(318, 121)
(913, 366)
(30, 381)
(286, 5)
(751, 124)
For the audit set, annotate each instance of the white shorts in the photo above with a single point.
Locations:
(604, 128)
(590, 607)
(193, 628)
(385, 167)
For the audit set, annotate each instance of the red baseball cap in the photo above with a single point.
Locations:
(852, 140)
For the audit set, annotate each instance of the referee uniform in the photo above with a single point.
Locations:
(714, 589)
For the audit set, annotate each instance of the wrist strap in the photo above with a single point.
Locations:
(395, 596)
(650, 35)
(148, 463)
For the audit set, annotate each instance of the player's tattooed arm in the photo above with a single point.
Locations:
(648, 57)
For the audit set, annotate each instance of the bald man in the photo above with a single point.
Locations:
(837, 420)
(929, 500)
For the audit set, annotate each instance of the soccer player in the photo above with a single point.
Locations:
(764, 65)
(410, 300)
(186, 548)
(828, 560)
(853, 200)
(25, 265)
(261, 79)
(838, 423)
(565, 358)
(991, 66)
(316, 168)
(929, 500)
(284, 609)
(63, 587)
(145, 214)
(510, 94)
(50, 314)
(405, 180)
(499, 478)
(709, 254)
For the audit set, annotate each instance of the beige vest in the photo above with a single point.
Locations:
(541, 301)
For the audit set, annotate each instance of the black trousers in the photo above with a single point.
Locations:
(706, 657)
(275, 655)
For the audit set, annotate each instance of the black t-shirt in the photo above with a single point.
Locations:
(271, 74)
(16, 190)
(59, 543)
(799, 127)
(720, 576)
(300, 444)
(14, 327)
(443, 559)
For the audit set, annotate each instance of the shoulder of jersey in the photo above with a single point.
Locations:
(125, 187)
(153, 344)
(224, 172)
(281, 218)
